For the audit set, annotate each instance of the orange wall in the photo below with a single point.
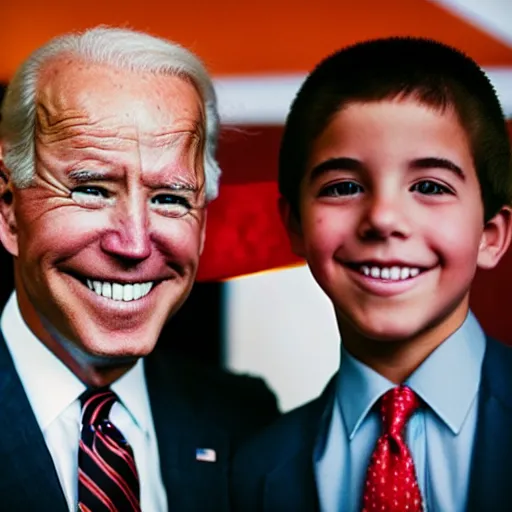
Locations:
(236, 37)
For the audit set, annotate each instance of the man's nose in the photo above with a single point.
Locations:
(385, 216)
(128, 236)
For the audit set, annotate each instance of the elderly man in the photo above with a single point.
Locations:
(107, 165)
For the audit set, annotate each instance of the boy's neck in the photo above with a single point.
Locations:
(396, 361)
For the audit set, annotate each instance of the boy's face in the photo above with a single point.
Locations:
(391, 219)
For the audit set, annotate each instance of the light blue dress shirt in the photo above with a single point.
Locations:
(440, 435)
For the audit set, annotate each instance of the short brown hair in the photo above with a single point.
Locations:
(431, 72)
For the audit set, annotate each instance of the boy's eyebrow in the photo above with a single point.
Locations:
(336, 164)
(351, 164)
(438, 163)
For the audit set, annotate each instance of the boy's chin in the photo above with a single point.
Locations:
(386, 330)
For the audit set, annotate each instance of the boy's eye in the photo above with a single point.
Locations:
(172, 204)
(343, 188)
(428, 187)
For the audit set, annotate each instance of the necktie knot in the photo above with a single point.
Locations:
(96, 405)
(396, 407)
(391, 483)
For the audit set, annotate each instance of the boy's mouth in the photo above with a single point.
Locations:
(388, 272)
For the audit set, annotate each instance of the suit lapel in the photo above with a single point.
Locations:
(28, 478)
(490, 485)
(182, 426)
(292, 485)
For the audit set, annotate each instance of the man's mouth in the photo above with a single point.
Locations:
(120, 291)
(388, 273)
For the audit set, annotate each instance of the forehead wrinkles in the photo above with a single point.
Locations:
(102, 101)
(54, 125)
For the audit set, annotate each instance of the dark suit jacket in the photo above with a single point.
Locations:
(274, 471)
(192, 408)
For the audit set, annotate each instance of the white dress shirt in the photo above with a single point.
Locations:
(53, 392)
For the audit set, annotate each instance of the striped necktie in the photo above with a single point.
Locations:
(107, 475)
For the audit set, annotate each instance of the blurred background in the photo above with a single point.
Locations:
(255, 307)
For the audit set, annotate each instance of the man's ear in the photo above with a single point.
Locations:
(8, 229)
(495, 239)
(292, 226)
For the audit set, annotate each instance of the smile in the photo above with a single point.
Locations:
(118, 291)
(394, 273)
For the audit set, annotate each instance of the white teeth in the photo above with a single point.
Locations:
(118, 291)
(395, 273)
(128, 292)
(404, 272)
(107, 290)
(389, 273)
(137, 291)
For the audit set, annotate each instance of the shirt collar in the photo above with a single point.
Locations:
(132, 392)
(358, 388)
(455, 364)
(51, 386)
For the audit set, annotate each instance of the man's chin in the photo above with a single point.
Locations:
(112, 360)
(110, 352)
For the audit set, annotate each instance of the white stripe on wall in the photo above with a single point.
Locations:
(265, 100)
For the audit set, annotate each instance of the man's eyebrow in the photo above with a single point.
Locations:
(335, 164)
(83, 176)
(438, 163)
(179, 185)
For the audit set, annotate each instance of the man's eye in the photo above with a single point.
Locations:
(430, 188)
(171, 199)
(90, 196)
(172, 204)
(343, 188)
(90, 191)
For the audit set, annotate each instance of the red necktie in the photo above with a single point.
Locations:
(391, 484)
(107, 476)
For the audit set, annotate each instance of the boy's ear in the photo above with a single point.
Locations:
(495, 239)
(292, 226)
(8, 228)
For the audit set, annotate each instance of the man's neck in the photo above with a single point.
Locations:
(93, 371)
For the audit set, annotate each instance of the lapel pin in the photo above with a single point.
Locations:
(206, 455)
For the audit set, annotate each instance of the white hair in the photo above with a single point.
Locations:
(121, 48)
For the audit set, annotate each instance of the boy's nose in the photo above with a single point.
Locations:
(128, 237)
(384, 217)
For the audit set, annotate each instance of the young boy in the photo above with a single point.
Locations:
(395, 177)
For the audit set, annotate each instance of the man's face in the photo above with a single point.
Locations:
(391, 219)
(107, 241)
